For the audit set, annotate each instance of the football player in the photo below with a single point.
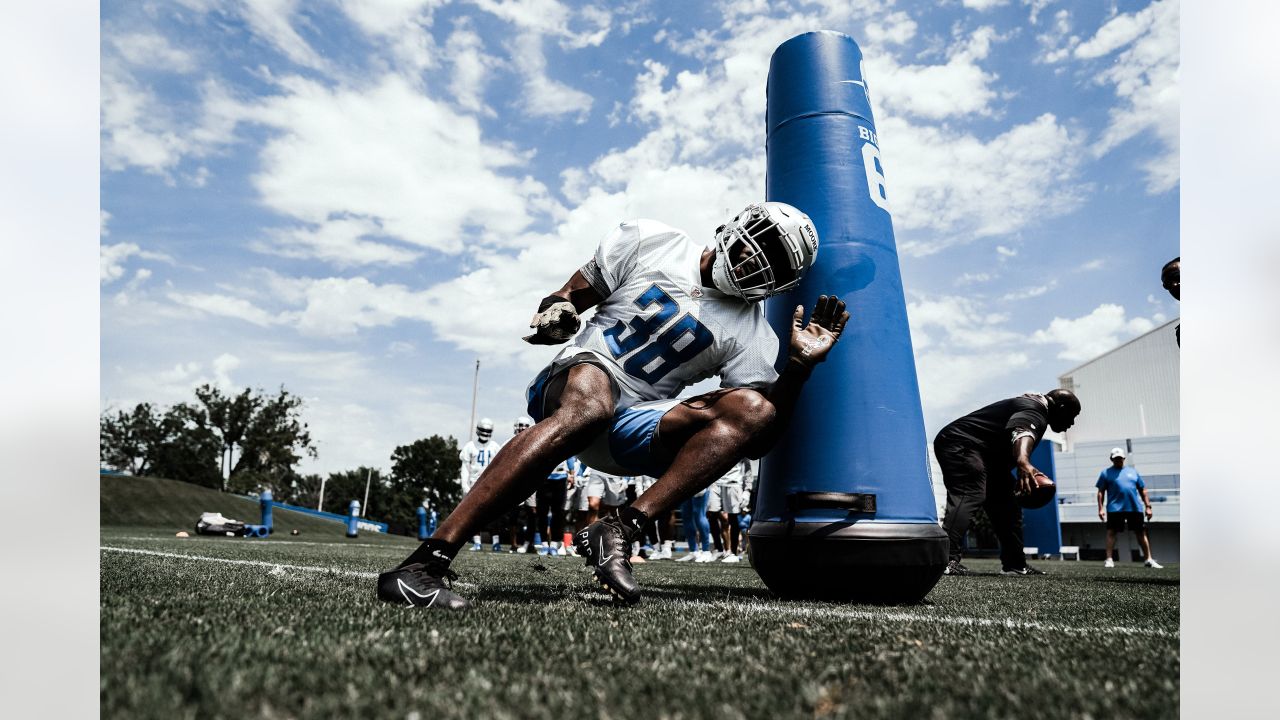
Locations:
(669, 312)
(475, 455)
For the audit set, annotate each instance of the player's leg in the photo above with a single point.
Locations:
(1115, 525)
(687, 513)
(583, 406)
(703, 438)
(579, 404)
(965, 477)
(558, 496)
(713, 521)
(1144, 540)
(1006, 521)
(731, 505)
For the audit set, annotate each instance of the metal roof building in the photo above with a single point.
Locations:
(1129, 398)
(1131, 391)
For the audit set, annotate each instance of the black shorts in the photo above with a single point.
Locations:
(1118, 520)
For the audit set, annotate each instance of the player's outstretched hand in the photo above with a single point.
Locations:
(811, 342)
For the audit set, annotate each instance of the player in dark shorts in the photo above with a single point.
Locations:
(977, 454)
(1123, 502)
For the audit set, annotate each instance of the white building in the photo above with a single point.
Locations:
(1129, 398)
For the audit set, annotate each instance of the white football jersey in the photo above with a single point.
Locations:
(658, 328)
(475, 457)
(735, 474)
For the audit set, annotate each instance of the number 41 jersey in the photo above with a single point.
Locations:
(658, 328)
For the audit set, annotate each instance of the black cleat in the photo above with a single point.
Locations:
(609, 553)
(955, 568)
(583, 547)
(1024, 570)
(421, 585)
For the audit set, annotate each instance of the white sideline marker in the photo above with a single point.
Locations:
(744, 607)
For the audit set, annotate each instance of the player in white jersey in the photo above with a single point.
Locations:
(475, 455)
(669, 312)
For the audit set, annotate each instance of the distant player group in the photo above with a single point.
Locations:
(670, 312)
(575, 495)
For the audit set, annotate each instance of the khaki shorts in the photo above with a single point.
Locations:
(612, 491)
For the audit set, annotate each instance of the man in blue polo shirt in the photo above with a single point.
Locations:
(1123, 489)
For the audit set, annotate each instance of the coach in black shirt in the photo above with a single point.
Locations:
(977, 453)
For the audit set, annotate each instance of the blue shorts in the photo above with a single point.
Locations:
(628, 448)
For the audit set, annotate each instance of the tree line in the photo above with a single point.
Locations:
(252, 441)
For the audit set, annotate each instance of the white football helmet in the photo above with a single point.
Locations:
(764, 251)
(524, 422)
(484, 429)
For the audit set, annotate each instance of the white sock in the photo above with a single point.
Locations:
(476, 539)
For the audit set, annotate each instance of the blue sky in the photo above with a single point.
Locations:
(358, 199)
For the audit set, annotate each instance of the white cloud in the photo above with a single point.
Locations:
(112, 259)
(272, 20)
(963, 188)
(1145, 76)
(471, 69)
(958, 87)
(544, 96)
(1057, 43)
(1006, 252)
(1030, 292)
(226, 306)
(963, 321)
(983, 4)
(1087, 337)
(975, 278)
(135, 126)
(222, 367)
(951, 383)
(389, 17)
(151, 51)
(387, 153)
(342, 242)
(894, 28)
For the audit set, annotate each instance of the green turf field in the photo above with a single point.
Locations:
(288, 627)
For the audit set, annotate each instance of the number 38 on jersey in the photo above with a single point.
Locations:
(657, 351)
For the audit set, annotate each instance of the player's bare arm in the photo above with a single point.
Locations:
(556, 320)
(1022, 448)
(809, 345)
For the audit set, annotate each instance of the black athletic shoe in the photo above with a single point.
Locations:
(609, 545)
(421, 585)
(955, 568)
(1024, 570)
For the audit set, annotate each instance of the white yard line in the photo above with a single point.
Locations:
(908, 617)
(230, 561)
(775, 609)
(268, 542)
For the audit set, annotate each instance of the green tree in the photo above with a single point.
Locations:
(127, 440)
(174, 445)
(189, 451)
(229, 417)
(425, 469)
(267, 432)
(343, 487)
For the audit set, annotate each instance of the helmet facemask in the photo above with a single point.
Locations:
(763, 251)
(484, 430)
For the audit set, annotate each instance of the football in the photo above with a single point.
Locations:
(1040, 495)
